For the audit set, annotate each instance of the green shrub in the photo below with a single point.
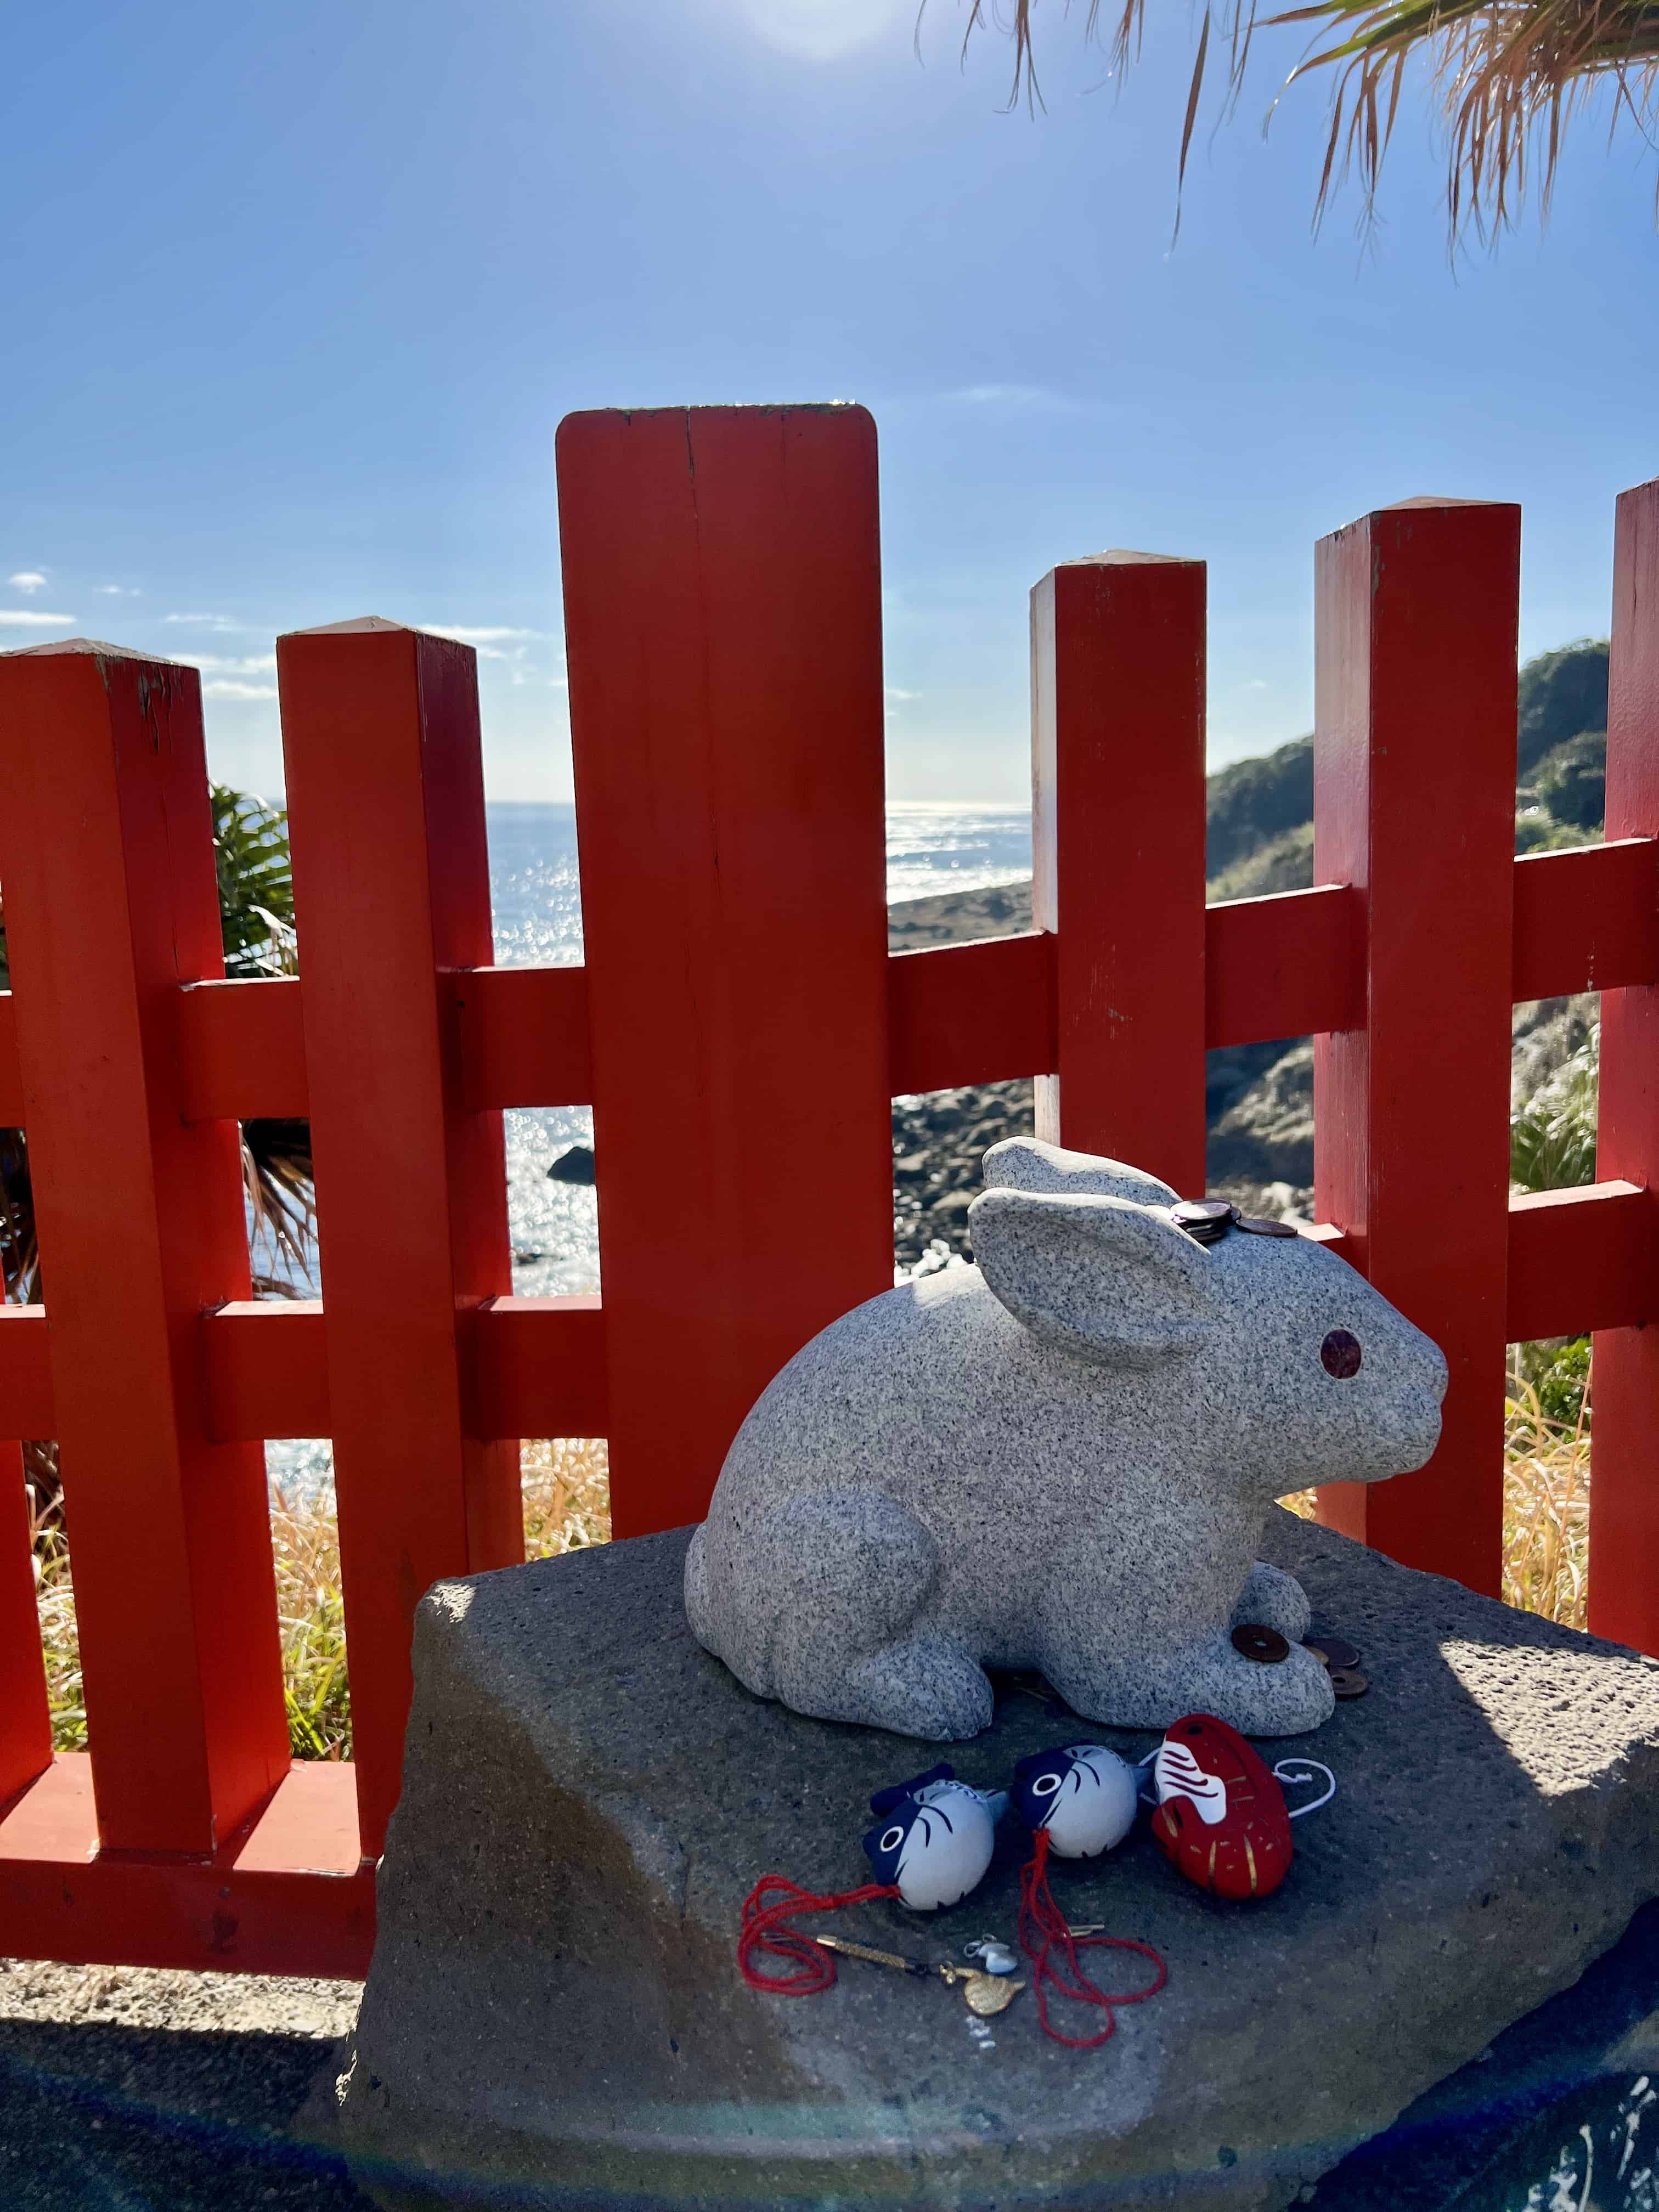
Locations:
(1553, 1137)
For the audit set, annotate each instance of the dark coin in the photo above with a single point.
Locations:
(1265, 1645)
(1332, 1651)
(1254, 1225)
(1340, 1354)
(1347, 1684)
(1205, 1218)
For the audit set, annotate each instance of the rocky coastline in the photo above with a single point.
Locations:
(1259, 1098)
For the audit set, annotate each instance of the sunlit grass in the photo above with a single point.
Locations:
(1546, 1473)
(1546, 1508)
(566, 1506)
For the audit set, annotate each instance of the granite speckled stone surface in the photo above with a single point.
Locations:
(1061, 1458)
(554, 2019)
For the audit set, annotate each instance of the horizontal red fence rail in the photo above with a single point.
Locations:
(725, 705)
(1290, 965)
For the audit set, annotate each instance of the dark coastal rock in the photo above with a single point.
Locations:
(554, 2018)
(959, 917)
(575, 1165)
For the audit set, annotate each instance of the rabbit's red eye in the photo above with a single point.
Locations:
(1339, 1355)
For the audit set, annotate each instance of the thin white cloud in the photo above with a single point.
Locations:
(228, 688)
(26, 618)
(28, 580)
(223, 664)
(120, 591)
(1022, 398)
(219, 623)
(472, 634)
(893, 692)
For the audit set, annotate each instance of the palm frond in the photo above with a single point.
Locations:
(1508, 75)
(256, 884)
(281, 1198)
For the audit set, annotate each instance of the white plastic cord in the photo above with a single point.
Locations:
(1303, 1770)
(1293, 1770)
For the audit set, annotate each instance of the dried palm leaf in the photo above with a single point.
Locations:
(1509, 75)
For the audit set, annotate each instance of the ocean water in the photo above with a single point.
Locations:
(535, 896)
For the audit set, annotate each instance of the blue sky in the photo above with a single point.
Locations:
(296, 296)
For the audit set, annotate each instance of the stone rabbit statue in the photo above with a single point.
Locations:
(1060, 1458)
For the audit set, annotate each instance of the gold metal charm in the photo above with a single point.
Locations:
(986, 1994)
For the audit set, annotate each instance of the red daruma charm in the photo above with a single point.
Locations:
(1221, 1817)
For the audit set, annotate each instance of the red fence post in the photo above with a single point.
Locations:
(392, 895)
(1117, 824)
(723, 624)
(1414, 804)
(107, 856)
(25, 1721)
(1624, 1574)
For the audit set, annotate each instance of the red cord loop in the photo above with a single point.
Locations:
(766, 1927)
(1042, 1930)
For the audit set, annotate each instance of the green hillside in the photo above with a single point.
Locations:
(1261, 812)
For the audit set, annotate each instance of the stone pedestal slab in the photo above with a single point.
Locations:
(554, 2018)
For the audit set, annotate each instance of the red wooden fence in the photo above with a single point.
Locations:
(738, 1028)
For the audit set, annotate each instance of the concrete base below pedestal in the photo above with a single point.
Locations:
(554, 2018)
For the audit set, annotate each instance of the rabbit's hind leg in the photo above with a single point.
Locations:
(923, 1686)
(853, 1576)
(819, 1604)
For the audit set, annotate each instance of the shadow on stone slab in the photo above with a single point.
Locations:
(554, 2017)
(96, 2118)
(1560, 2111)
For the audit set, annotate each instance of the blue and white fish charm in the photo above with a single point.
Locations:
(934, 1837)
(1082, 1794)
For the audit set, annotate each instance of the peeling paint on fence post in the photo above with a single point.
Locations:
(107, 855)
(392, 896)
(1117, 835)
(1624, 1571)
(722, 577)
(1414, 806)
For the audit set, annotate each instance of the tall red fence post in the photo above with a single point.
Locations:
(723, 626)
(392, 895)
(25, 1721)
(1117, 820)
(1624, 1572)
(1414, 804)
(106, 857)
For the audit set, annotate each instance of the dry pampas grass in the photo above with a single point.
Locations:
(567, 1505)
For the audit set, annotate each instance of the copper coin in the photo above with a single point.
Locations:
(1255, 1224)
(1265, 1645)
(1332, 1651)
(1205, 1218)
(1348, 1684)
(1340, 1355)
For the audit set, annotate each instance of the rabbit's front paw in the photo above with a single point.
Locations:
(1273, 1599)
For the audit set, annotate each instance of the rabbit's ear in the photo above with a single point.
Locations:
(1113, 1282)
(1026, 1163)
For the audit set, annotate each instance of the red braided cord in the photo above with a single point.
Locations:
(1043, 1929)
(766, 1927)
